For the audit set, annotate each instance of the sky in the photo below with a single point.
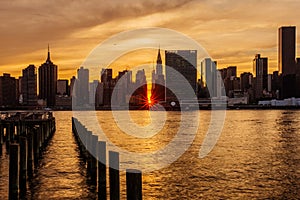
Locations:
(231, 31)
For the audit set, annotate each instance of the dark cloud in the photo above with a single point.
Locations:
(228, 29)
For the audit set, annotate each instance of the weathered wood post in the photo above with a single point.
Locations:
(1, 137)
(30, 154)
(36, 150)
(11, 131)
(85, 140)
(88, 147)
(23, 164)
(101, 153)
(42, 135)
(14, 161)
(7, 131)
(93, 152)
(114, 175)
(18, 127)
(133, 184)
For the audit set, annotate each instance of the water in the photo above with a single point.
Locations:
(256, 157)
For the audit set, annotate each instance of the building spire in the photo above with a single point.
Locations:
(158, 61)
(48, 57)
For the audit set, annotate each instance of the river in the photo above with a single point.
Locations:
(257, 156)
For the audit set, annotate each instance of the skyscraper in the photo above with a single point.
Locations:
(92, 92)
(29, 86)
(48, 81)
(72, 83)
(158, 81)
(185, 63)
(108, 86)
(141, 83)
(260, 70)
(209, 68)
(8, 90)
(246, 81)
(82, 86)
(63, 87)
(287, 50)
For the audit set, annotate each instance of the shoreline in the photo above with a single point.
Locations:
(237, 107)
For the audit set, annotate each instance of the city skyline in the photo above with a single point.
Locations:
(232, 32)
(180, 75)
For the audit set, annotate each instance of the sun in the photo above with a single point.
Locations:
(149, 99)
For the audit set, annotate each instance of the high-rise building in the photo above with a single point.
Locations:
(82, 87)
(106, 75)
(246, 81)
(260, 70)
(141, 85)
(229, 79)
(287, 50)
(72, 83)
(231, 71)
(48, 81)
(8, 90)
(181, 67)
(92, 94)
(209, 68)
(29, 86)
(158, 81)
(63, 87)
(107, 85)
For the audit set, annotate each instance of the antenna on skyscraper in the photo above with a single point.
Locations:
(48, 57)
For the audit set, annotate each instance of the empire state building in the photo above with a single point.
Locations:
(48, 81)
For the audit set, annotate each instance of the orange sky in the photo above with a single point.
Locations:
(231, 31)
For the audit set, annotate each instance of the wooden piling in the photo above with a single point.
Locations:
(14, 161)
(133, 184)
(11, 131)
(114, 175)
(40, 137)
(1, 137)
(30, 153)
(88, 147)
(36, 150)
(23, 164)
(7, 130)
(101, 153)
(93, 153)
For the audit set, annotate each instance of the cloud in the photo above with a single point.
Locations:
(232, 31)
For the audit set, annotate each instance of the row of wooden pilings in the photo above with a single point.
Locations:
(94, 154)
(25, 140)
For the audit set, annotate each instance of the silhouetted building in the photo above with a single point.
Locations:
(99, 95)
(72, 83)
(82, 87)
(209, 68)
(63, 87)
(48, 81)
(106, 75)
(141, 92)
(158, 81)
(8, 88)
(287, 62)
(184, 63)
(246, 81)
(231, 72)
(287, 50)
(276, 84)
(92, 94)
(121, 89)
(28, 90)
(108, 86)
(260, 70)
(230, 80)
